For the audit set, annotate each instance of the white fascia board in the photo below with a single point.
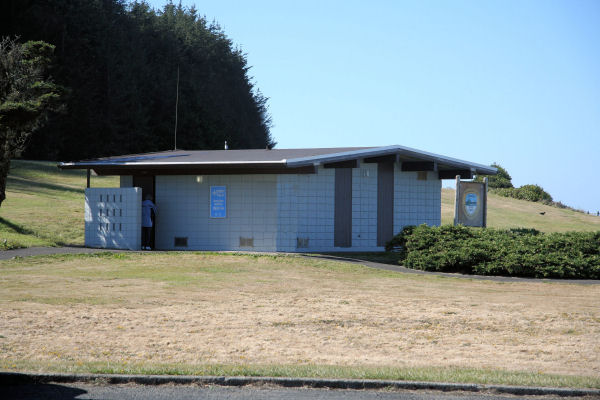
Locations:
(396, 149)
(206, 163)
(92, 164)
(333, 157)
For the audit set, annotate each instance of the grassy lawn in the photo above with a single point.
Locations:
(44, 206)
(228, 314)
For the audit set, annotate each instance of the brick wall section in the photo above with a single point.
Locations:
(305, 209)
(279, 212)
(113, 218)
(287, 212)
(364, 207)
(416, 202)
(183, 204)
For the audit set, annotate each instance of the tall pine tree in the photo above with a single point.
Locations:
(119, 64)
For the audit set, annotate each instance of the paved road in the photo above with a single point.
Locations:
(184, 392)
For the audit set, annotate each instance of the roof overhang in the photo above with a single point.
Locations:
(233, 162)
(402, 153)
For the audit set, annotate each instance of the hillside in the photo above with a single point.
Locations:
(44, 207)
(504, 212)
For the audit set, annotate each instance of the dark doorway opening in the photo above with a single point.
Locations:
(147, 183)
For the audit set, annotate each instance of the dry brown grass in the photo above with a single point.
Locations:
(198, 309)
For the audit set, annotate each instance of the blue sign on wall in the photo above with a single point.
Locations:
(218, 202)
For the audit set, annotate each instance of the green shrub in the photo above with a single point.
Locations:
(533, 193)
(526, 192)
(398, 242)
(501, 180)
(515, 252)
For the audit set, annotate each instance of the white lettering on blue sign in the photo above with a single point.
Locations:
(218, 202)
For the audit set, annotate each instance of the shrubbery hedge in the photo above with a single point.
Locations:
(515, 252)
(526, 192)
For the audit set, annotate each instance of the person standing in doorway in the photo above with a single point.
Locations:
(148, 215)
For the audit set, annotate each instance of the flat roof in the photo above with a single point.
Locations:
(265, 160)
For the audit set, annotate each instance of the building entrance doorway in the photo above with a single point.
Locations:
(147, 184)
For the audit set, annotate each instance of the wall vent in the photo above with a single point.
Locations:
(181, 242)
(422, 175)
(246, 242)
(301, 243)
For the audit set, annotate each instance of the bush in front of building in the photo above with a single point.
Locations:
(514, 252)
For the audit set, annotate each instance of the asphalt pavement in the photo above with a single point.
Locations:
(188, 392)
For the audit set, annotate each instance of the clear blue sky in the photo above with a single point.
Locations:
(508, 81)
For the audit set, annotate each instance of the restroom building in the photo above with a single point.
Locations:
(292, 200)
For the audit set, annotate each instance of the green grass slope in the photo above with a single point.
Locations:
(44, 206)
(504, 212)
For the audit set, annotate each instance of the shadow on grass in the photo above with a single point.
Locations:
(387, 257)
(29, 186)
(12, 227)
(43, 167)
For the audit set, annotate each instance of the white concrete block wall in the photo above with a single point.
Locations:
(277, 210)
(305, 207)
(183, 204)
(306, 210)
(364, 207)
(113, 218)
(287, 212)
(416, 201)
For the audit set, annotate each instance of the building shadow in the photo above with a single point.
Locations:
(15, 227)
(40, 391)
(388, 257)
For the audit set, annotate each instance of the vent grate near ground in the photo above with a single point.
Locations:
(246, 242)
(301, 243)
(181, 242)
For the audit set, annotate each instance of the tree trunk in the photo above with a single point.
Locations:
(9, 142)
(4, 168)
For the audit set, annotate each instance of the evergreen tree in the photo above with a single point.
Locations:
(498, 181)
(25, 97)
(119, 62)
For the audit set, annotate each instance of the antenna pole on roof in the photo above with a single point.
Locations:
(176, 104)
